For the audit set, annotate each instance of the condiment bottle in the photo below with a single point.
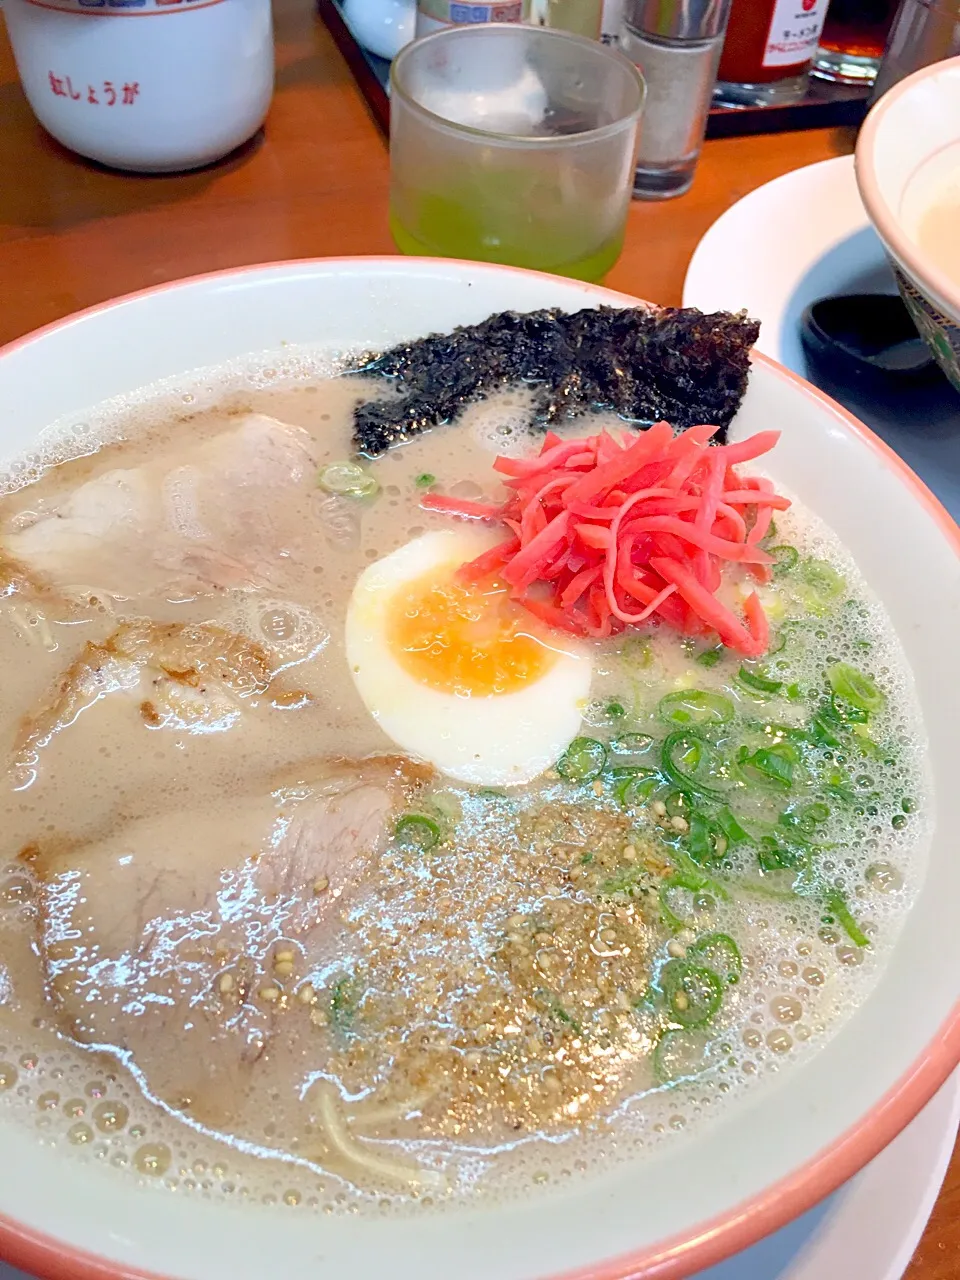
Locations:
(676, 46)
(767, 54)
(434, 15)
(159, 96)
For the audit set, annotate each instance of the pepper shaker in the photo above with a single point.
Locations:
(676, 45)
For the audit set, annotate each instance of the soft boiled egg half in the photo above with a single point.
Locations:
(460, 675)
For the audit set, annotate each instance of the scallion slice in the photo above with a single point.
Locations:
(855, 687)
(770, 765)
(785, 558)
(692, 993)
(757, 682)
(695, 706)
(417, 831)
(347, 480)
(720, 954)
(583, 760)
(686, 760)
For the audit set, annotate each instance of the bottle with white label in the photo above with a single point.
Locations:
(434, 15)
(768, 50)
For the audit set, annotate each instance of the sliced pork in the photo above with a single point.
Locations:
(211, 516)
(175, 940)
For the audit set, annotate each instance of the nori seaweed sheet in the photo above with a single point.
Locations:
(649, 365)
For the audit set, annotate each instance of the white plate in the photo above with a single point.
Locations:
(804, 236)
(798, 238)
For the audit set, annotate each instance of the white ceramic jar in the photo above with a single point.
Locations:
(149, 85)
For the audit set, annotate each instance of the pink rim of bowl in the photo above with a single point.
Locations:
(886, 220)
(709, 1242)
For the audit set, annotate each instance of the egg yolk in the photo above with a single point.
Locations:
(464, 639)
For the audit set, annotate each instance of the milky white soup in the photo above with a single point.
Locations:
(931, 211)
(327, 881)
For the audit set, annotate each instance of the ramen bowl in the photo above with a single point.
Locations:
(722, 1185)
(912, 136)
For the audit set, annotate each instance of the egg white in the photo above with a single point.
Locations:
(498, 740)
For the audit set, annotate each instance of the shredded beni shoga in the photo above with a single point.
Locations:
(608, 533)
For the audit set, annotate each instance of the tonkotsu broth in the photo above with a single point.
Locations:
(485, 1017)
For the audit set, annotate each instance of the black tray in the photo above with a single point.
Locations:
(825, 106)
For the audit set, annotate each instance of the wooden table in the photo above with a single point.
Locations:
(72, 234)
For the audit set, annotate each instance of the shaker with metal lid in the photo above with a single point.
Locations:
(923, 32)
(676, 44)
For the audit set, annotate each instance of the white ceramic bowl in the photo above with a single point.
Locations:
(912, 126)
(706, 1195)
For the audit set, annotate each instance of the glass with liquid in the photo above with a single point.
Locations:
(513, 144)
(853, 40)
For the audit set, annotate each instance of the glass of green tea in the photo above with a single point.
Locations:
(513, 144)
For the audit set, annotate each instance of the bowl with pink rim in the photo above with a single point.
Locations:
(714, 1190)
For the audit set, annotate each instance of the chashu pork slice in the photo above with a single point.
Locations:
(219, 514)
(159, 942)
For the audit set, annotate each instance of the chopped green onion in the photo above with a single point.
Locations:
(771, 764)
(616, 710)
(692, 993)
(417, 831)
(731, 828)
(631, 744)
(785, 558)
(550, 1001)
(685, 758)
(823, 578)
(632, 787)
(705, 840)
(758, 682)
(775, 855)
(670, 917)
(638, 651)
(710, 657)
(343, 1006)
(681, 1054)
(347, 480)
(720, 954)
(583, 760)
(836, 904)
(821, 731)
(854, 687)
(425, 480)
(695, 706)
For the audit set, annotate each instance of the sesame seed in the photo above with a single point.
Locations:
(676, 949)
(285, 955)
(283, 968)
(226, 982)
(321, 884)
(679, 824)
(307, 994)
(597, 787)
(630, 853)
(680, 1002)
(659, 808)
(270, 994)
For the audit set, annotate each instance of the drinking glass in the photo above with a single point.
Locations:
(853, 40)
(513, 144)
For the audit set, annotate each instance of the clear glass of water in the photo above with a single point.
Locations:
(513, 144)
